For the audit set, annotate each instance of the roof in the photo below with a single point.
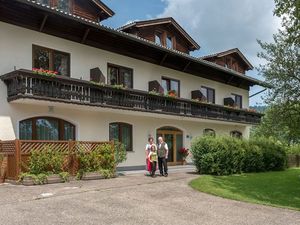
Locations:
(159, 21)
(229, 52)
(104, 7)
(11, 7)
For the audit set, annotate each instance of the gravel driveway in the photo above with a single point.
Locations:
(131, 199)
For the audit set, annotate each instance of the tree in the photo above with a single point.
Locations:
(282, 72)
(281, 122)
(282, 68)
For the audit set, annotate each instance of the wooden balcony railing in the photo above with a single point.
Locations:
(26, 84)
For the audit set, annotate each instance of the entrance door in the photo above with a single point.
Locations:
(174, 138)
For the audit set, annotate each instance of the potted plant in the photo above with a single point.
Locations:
(172, 94)
(184, 152)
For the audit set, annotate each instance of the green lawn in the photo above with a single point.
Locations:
(280, 189)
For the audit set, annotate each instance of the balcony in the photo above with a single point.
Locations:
(27, 84)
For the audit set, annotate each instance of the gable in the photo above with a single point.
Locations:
(167, 26)
(232, 59)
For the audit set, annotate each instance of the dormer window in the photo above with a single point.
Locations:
(159, 38)
(164, 39)
(44, 2)
(169, 42)
(63, 5)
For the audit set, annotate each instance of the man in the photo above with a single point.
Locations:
(162, 153)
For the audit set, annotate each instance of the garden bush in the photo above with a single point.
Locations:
(227, 155)
(274, 153)
(46, 161)
(101, 158)
(253, 158)
(293, 149)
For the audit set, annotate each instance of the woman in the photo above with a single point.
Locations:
(147, 152)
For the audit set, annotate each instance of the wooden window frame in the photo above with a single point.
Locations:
(119, 67)
(172, 79)
(164, 36)
(235, 97)
(120, 124)
(212, 89)
(51, 57)
(161, 34)
(60, 127)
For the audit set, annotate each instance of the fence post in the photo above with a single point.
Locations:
(18, 157)
(72, 159)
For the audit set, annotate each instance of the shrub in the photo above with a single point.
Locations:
(46, 161)
(293, 149)
(120, 152)
(253, 160)
(274, 153)
(227, 155)
(219, 156)
(101, 157)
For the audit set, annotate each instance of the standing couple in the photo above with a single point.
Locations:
(157, 153)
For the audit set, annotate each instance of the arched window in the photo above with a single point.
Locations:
(236, 134)
(121, 132)
(209, 132)
(46, 128)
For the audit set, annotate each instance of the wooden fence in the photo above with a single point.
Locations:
(14, 154)
(294, 160)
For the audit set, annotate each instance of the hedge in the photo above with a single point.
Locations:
(227, 155)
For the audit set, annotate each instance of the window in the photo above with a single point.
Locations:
(63, 5)
(48, 59)
(208, 94)
(238, 100)
(236, 134)
(121, 132)
(45, 2)
(209, 132)
(46, 128)
(158, 38)
(171, 85)
(118, 75)
(164, 39)
(169, 42)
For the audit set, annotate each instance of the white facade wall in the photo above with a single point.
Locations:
(93, 123)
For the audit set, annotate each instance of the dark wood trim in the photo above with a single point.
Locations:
(60, 126)
(229, 80)
(120, 127)
(86, 33)
(172, 79)
(186, 66)
(61, 89)
(163, 59)
(43, 23)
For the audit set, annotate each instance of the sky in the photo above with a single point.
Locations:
(216, 25)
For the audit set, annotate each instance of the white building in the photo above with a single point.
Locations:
(101, 91)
